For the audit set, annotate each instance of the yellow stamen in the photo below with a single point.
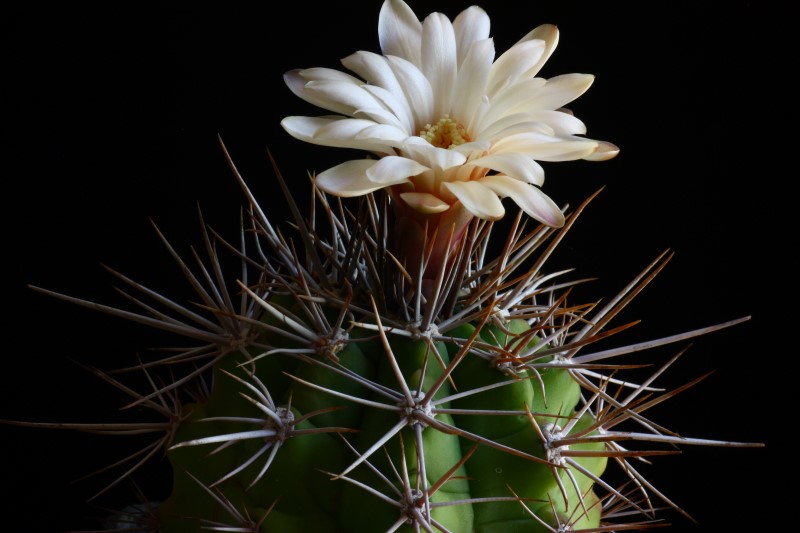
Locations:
(446, 133)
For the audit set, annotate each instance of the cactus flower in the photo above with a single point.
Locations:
(452, 127)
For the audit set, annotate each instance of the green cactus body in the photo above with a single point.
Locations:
(301, 489)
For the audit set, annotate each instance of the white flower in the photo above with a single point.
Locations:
(447, 121)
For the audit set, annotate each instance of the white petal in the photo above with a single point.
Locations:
(382, 133)
(513, 164)
(547, 33)
(603, 152)
(431, 156)
(348, 179)
(471, 83)
(559, 91)
(513, 63)
(354, 133)
(325, 131)
(473, 148)
(560, 122)
(375, 69)
(512, 99)
(529, 198)
(513, 124)
(343, 95)
(399, 31)
(297, 84)
(417, 89)
(471, 25)
(393, 170)
(304, 128)
(327, 74)
(403, 116)
(424, 202)
(439, 61)
(544, 147)
(477, 199)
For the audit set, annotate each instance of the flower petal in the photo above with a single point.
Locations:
(528, 197)
(547, 33)
(343, 95)
(335, 131)
(297, 82)
(416, 87)
(544, 147)
(434, 157)
(393, 170)
(439, 60)
(399, 31)
(350, 133)
(424, 202)
(471, 25)
(477, 199)
(559, 91)
(511, 100)
(603, 152)
(516, 165)
(383, 84)
(471, 82)
(513, 124)
(508, 68)
(388, 135)
(348, 179)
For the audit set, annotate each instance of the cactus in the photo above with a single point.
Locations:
(397, 364)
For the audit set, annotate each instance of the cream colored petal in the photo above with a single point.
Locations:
(425, 203)
(327, 74)
(477, 199)
(508, 68)
(516, 165)
(382, 133)
(297, 84)
(360, 134)
(471, 83)
(344, 128)
(304, 128)
(383, 84)
(471, 25)
(438, 159)
(439, 60)
(348, 179)
(342, 94)
(417, 89)
(559, 91)
(372, 68)
(308, 129)
(399, 31)
(514, 124)
(547, 33)
(472, 149)
(528, 197)
(512, 99)
(562, 123)
(402, 117)
(544, 147)
(393, 170)
(603, 152)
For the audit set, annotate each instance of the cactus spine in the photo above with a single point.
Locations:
(342, 394)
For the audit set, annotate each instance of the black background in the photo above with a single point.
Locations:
(111, 116)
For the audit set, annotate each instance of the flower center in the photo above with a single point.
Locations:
(446, 133)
